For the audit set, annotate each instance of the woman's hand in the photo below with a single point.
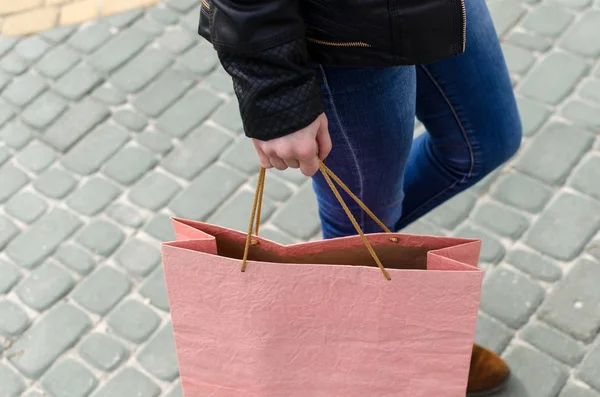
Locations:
(301, 149)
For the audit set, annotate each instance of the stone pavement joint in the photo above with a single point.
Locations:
(109, 128)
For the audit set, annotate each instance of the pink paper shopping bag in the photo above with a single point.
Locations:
(319, 319)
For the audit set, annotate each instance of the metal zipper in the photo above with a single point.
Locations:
(206, 4)
(340, 43)
(464, 24)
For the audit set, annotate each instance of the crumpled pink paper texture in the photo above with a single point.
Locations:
(321, 330)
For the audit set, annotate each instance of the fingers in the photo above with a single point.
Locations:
(262, 157)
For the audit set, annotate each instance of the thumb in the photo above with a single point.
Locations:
(324, 139)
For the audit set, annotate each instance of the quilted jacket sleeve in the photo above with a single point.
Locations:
(261, 44)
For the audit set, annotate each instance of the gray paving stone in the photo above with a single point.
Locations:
(176, 40)
(9, 276)
(4, 155)
(579, 39)
(518, 59)
(573, 306)
(138, 257)
(37, 156)
(130, 119)
(551, 80)
(8, 231)
(13, 319)
(453, 212)
(177, 391)
(102, 351)
(93, 196)
(156, 141)
(554, 152)
(101, 291)
(125, 215)
(32, 47)
(133, 321)
(235, 213)
(582, 114)
(7, 43)
(506, 13)
(589, 371)
(155, 290)
(200, 59)
(88, 39)
(44, 286)
(198, 150)
(78, 82)
(5, 78)
(228, 116)
(54, 183)
(14, 64)
(128, 382)
(35, 393)
(521, 192)
(58, 330)
(573, 219)
(12, 384)
(423, 227)
(109, 95)
(555, 343)
(101, 237)
(510, 297)
(158, 356)
(11, 179)
(149, 27)
(575, 4)
(548, 20)
(163, 15)
(119, 49)
(527, 379)
(167, 88)
(533, 115)
(588, 171)
(535, 265)
(590, 89)
(24, 89)
(501, 220)
(188, 112)
(68, 378)
(75, 258)
(299, 217)
(16, 135)
(33, 245)
(160, 228)
(153, 191)
(72, 125)
(57, 62)
(220, 81)
(492, 251)
(277, 236)
(576, 390)
(59, 34)
(142, 69)
(182, 5)
(492, 334)
(529, 40)
(206, 193)
(88, 155)
(129, 164)
(44, 110)
(274, 188)
(123, 19)
(6, 112)
(242, 156)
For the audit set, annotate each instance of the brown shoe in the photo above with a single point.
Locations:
(488, 373)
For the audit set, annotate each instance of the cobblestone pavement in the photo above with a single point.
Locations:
(109, 128)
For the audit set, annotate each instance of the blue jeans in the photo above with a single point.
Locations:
(467, 105)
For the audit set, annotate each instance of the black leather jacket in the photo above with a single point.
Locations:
(268, 46)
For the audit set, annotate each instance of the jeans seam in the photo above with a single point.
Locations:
(345, 135)
(458, 121)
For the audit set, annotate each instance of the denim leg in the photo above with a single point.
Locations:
(371, 122)
(469, 110)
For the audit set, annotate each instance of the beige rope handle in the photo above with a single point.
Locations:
(328, 175)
